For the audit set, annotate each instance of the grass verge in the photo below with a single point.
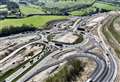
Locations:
(68, 73)
(110, 34)
(115, 33)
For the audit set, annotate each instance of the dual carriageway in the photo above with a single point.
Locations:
(106, 65)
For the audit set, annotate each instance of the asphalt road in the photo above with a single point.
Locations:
(106, 65)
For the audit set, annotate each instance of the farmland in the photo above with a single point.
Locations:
(96, 7)
(36, 21)
(26, 10)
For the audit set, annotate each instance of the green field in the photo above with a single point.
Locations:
(83, 12)
(98, 5)
(106, 6)
(36, 21)
(81, 1)
(68, 3)
(31, 10)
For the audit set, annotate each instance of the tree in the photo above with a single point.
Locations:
(13, 7)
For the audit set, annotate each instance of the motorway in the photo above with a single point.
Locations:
(112, 72)
(106, 65)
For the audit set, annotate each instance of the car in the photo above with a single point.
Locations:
(107, 54)
(89, 80)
